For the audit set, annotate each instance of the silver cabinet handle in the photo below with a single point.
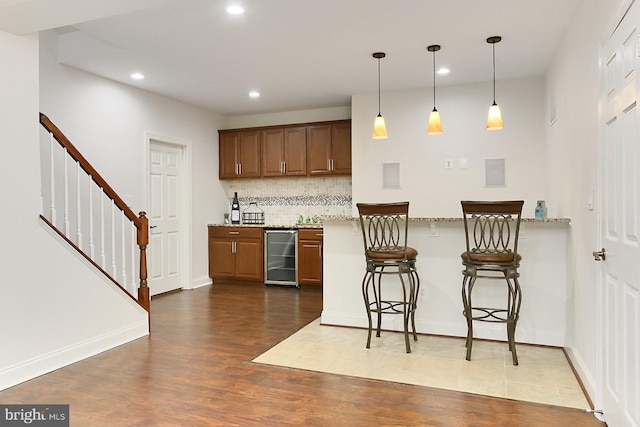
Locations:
(234, 232)
(331, 163)
(284, 167)
(233, 247)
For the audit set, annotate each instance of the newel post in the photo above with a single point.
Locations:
(143, 240)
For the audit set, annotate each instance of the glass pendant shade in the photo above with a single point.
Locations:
(494, 121)
(435, 126)
(379, 128)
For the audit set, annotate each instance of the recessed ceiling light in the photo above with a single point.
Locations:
(235, 10)
(254, 94)
(443, 71)
(137, 76)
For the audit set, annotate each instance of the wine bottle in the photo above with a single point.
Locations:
(235, 209)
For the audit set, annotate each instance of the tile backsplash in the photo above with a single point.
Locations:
(283, 200)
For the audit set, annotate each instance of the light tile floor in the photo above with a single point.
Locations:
(543, 374)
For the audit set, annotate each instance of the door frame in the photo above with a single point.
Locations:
(185, 195)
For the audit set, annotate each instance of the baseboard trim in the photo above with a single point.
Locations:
(49, 362)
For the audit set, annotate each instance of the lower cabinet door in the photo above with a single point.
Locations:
(249, 259)
(221, 258)
(310, 262)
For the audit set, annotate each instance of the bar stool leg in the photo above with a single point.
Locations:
(415, 292)
(467, 286)
(366, 282)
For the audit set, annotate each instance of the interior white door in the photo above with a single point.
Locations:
(619, 182)
(164, 217)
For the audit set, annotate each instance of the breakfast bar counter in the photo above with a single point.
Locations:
(439, 242)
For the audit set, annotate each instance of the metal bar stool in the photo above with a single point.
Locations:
(491, 230)
(384, 230)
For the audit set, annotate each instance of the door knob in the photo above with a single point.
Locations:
(600, 255)
(153, 226)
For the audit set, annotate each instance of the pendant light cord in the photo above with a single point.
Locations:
(379, 87)
(494, 71)
(434, 80)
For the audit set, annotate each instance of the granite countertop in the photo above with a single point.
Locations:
(443, 219)
(280, 226)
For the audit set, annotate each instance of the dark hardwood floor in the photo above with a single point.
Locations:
(195, 369)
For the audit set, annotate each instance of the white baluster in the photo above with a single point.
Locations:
(92, 249)
(66, 194)
(78, 207)
(123, 251)
(52, 183)
(103, 257)
(114, 270)
(134, 235)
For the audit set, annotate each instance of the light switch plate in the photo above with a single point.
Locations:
(448, 163)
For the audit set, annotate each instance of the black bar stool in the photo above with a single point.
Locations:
(384, 230)
(491, 230)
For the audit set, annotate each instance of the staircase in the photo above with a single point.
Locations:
(81, 207)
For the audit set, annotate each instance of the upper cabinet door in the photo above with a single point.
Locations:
(295, 151)
(249, 153)
(228, 162)
(341, 148)
(272, 152)
(319, 149)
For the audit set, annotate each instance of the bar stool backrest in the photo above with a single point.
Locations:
(385, 228)
(491, 229)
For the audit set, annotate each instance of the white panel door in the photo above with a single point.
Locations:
(619, 282)
(164, 218)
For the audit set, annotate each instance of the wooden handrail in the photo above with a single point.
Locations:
(140, 222)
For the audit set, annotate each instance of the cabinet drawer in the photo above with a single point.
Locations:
(236, 232)
(310, 234)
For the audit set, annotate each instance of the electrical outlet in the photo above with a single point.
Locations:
(433, 229)
(448, 163)
(423, 292)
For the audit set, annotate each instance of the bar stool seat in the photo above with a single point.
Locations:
(491, 232)
(385, 230)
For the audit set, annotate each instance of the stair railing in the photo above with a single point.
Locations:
(83, 208)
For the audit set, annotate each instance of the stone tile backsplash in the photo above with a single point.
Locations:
(284, 199)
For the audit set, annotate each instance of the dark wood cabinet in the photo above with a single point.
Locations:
(329, 148)
(236, 253)
(240, 154)
(310, 258)
(284, 151)
(308, 149)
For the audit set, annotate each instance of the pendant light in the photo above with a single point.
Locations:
(435, 126)
(379, 128)
(494, 121)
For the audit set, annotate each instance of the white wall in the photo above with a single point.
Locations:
(433, 190)
(108, 121)
(571, 158)
(50, 316)
(288, 117)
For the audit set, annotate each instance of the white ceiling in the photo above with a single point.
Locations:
(299, 54)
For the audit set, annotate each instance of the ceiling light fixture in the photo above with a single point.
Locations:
(379, 128)
(235, 10)
(435, 126)
(254, 94)
(137, 76)
(494, 121)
